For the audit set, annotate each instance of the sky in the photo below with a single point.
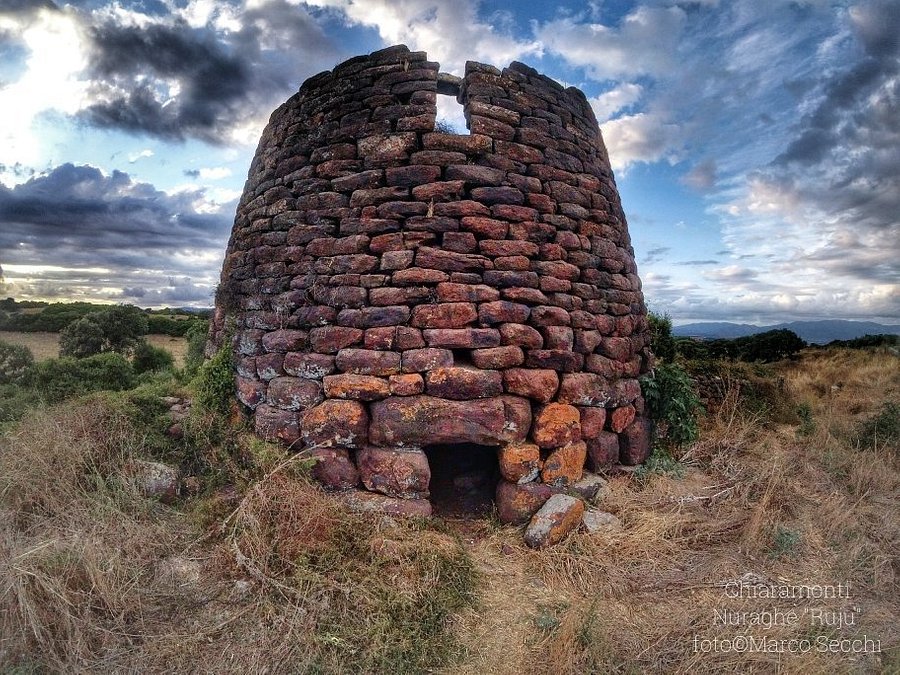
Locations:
(755, 143)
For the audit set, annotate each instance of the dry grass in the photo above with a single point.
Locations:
(46, 345)
(94, 579)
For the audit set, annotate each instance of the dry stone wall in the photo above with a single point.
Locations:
(389, 287)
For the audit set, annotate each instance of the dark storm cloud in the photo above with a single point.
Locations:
(222, 78)
(74, 216)
(846, 148)
(15, 7)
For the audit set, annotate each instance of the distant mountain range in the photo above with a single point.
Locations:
(818, 332)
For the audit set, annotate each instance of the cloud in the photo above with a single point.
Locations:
(102, 233)
(609, 103)
(451, 33)
(655, 254)
(643, 137)
(644, 42)
(702, 176)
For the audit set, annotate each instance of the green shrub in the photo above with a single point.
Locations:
(58, 379)
(807, 423)
(196, 339)
(882, 430)
(214, 384)
(117, 329)
(16, 362)
(148, 358)
(672, 404)
(662, 344)
(14, 402)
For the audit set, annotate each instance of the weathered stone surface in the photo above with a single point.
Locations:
(593, 421)
(294, 393)
(522, 336)
(519, 462)
(444, 315)
(276, 424)
(368, 361)
(537, 384)
(427, 358)
(336, 423)
(457, 338)
(498, 357)
(564, 465)
(517, 503)
(406, 384)
(372, 502)
(502, 311)
(462, 383)
(634, 442)
(554, 520)
(396, 472)
(356, 387)
(153, 479)
(333, 468)
(590, 487)
(284, 340)
(428, 420)
(250, 392)
(556, 424)
(331, 339)
(584, 389)
(621, 418)
(312, 366)
(603, 450)
(595, 520)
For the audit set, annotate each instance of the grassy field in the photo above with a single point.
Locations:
(258, 571)
(46, 345)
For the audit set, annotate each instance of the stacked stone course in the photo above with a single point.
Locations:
(389, 287)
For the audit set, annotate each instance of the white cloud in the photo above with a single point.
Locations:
(451, 33)
(609, 103)
(644, 43)
(644, 137)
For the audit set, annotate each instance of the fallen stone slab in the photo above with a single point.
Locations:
(554, 520)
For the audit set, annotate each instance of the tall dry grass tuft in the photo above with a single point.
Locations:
(76, 542)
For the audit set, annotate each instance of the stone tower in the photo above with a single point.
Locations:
(431, 314)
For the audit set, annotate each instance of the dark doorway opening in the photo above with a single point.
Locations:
(463, 479)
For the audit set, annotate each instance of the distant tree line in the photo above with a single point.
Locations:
(34, 316)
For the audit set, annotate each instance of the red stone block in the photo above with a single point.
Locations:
(331, 339)
(444, 315)
(537, 384)
(602, 450)
(413, 276)
(356, 387)
(546, 315)
(462, 383)
(453, 292)
(562, 361)
(420, 360)
(498, 357)
(333, 468)
(284, 340)
(312, 366)
(462, 338)
(406, 384)
(488, 228)
(516, 504)
(250, 392)
(502, 311)
(621, 418)
(450, 261)
(336, 423)
(593, 421)
(396, 472)
(269, 366)
(584, 389)
(634, 442)
(368, 361)
(519, 462)
(275, 424)
(564, 465)
(556, 424)
(522, 336)
(558, 337)
(293, 393)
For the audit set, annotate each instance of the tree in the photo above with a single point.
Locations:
(117, 329)
(662, 344)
